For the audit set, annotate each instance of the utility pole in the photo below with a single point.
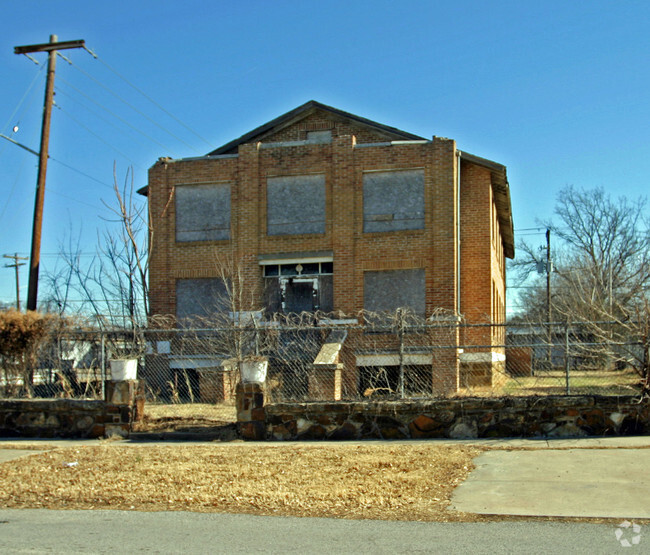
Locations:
(549, 313)
(548, 275)
(35, 256)
(15, 265)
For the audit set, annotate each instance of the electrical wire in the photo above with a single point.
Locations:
(16, 180)
(151, 120)
(153, 101)
(82, 173)
(95, 134)
(13, 188)
(55, 192)
(22, 100)
(116, 116)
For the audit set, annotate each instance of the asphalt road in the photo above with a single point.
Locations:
(44, 531)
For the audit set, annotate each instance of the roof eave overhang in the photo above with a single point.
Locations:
(501, 189)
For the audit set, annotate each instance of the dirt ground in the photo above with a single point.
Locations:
(359, 481)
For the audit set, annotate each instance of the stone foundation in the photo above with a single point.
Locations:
(460, 418)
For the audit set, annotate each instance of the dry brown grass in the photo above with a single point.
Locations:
(205, 411)
(359, 481)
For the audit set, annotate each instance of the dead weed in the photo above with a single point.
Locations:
(373, 481)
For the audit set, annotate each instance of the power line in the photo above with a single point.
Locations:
(117, 117)
(92, 132)
(153, 101)
(53, 159)
(13, 187)
(82, 173)
(20, 102)
(54, 192)
(151, 120)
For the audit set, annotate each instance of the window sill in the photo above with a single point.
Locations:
(201, 243)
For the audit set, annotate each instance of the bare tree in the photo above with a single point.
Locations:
(600, 273)
(112, 287)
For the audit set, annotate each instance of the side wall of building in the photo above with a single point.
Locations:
(482, 279)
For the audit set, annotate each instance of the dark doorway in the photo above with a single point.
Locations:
(299, 296)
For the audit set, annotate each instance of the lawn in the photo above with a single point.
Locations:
(168, 417)
(358, 481)
(580, 383)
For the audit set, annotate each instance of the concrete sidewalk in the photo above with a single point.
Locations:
(593, 482)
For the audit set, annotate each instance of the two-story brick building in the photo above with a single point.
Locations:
(325, 210)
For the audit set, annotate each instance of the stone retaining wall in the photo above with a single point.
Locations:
(570, 416)
(74, 418)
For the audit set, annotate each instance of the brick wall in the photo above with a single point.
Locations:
(352, 152)
(343, 165)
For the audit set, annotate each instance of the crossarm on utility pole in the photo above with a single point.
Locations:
(49, 46)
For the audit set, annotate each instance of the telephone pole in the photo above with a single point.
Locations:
(15, 265)
(549, 312)
(35, 256)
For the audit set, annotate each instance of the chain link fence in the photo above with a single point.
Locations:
(191, 374)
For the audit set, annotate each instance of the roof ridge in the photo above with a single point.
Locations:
(305, 109)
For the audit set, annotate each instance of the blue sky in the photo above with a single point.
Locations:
(556, 91)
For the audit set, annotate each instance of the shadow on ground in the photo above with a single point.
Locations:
(184, 430)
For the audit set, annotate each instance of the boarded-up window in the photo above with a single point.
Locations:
(295, 205)
(203, 212)
(197, 299)
(392, 289)
(324, 136)
(393, 200)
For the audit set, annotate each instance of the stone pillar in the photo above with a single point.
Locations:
(124, 404)
(251, 416)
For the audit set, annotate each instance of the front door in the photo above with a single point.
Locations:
(299, 296)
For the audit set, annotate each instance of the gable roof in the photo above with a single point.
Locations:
(301, 112)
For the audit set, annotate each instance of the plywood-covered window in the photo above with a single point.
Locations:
(388, 290)
(295, 205)
(198, 299)
(203, 212)
(393, 200)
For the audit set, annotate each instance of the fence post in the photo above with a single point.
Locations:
(566, 359)
(103, 348)
(400, 335)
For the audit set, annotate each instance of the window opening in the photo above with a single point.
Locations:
(299, 287)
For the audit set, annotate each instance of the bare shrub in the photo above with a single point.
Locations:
(22, 335)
